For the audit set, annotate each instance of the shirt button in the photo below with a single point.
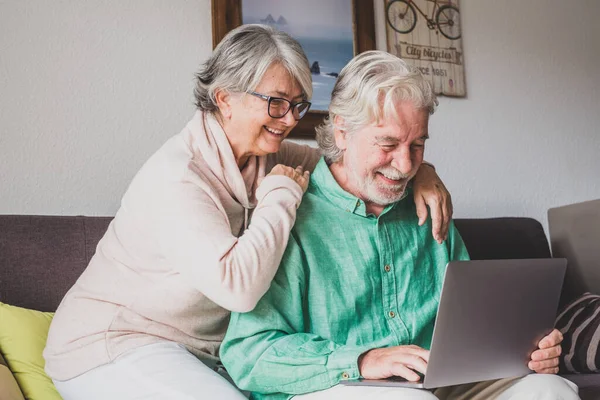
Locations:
(345, 375)
(392, 314)
(357, 203)
(387, 268)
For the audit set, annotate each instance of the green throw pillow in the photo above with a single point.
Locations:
(23, 336)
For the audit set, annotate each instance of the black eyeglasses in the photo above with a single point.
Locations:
(278, 107)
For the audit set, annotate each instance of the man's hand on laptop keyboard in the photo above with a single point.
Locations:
(545, 359)
(400, 361)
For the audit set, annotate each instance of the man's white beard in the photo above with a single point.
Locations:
(375, 191)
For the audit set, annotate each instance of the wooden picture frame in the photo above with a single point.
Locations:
(227, 15)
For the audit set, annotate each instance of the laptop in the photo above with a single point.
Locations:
(491, 316)
(574, 235)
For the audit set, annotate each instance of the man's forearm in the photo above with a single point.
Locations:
(293, 364)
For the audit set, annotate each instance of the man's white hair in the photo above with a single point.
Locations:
(367, 91)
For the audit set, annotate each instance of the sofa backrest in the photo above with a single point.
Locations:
(41, 257)
(503, 238)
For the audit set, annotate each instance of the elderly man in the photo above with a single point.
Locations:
(358, 288)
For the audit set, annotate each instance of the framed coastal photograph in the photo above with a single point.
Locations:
(428, 35)
(331, 32)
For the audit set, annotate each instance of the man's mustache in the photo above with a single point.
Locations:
(393, 173)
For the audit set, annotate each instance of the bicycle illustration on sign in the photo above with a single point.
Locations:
(402, 17)
(433, 45)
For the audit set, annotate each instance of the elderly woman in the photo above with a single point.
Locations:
(200, 232)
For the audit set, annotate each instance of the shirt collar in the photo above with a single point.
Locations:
(324, 181)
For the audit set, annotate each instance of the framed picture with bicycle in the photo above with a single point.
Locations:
(428, 35)
(331, 32)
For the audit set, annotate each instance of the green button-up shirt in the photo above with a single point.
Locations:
(348, 282)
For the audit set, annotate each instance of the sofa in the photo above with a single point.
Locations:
(42, 256)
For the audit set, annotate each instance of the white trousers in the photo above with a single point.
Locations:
(530, 387)
(168, 371)
(157, 371)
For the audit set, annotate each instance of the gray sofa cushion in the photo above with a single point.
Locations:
(41, 257)
(503, 238)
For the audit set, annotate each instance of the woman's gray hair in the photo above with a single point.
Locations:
(239, 62)
(367, 91)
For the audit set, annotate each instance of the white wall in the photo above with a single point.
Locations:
(88, 90)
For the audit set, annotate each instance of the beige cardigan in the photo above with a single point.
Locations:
(177, 255)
